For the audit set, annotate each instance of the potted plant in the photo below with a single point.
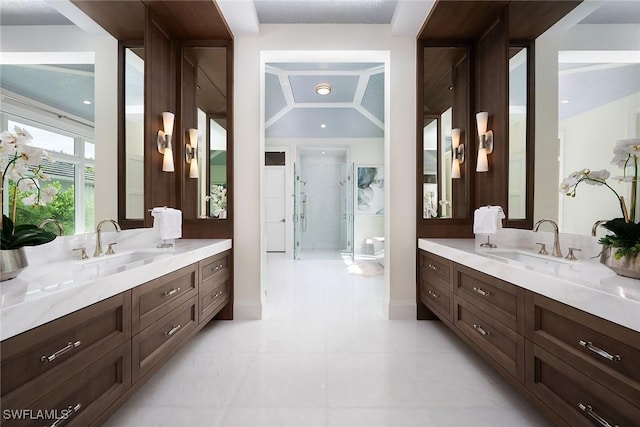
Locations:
(218, 200)
(21, 164)
(620, 249)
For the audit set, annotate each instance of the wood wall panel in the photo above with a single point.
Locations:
(492, 96)
(461, 196)
(189, 115)
(160, 96)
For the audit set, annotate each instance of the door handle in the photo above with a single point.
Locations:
(282, 220)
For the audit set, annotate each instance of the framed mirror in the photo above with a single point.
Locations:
(446, 95)
(131, 130)
(205, 108)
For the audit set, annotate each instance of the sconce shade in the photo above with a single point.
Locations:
(455, 138)
(455, 168)
(167, 160)
(167, 122)
(193, 168)
(483, 162)
(482, 119)
(193, 138)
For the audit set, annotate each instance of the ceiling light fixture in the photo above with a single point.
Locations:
(323, 89)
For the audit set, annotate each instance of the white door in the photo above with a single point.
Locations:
(275, 223)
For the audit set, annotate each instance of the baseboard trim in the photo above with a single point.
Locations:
(402, 310)
(247, 310)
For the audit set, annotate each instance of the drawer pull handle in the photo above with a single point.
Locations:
(481, 291)
(433, 294)
(172, 292)
(589, 346)
(433, 267)
(54, 356)
(172, 330)
(588, 409)
(218, 294)
(66, 414)
(480, 330)
(218, 267)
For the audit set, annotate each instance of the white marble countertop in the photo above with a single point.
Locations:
(47, 291)
(583, 284)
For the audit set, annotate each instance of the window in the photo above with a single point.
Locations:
(72, 172)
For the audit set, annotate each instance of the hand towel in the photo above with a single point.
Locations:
(168, 222)
(487, 219)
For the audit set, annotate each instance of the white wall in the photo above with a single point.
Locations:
(72, 40)
(400, 171)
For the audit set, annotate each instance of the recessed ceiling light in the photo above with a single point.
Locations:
(323, 126)
(86, 102)
(565, 101)
(323, 89)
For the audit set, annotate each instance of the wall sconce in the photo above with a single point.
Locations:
(164, 142)
(190, 153)
(457, 153)
(485, 138)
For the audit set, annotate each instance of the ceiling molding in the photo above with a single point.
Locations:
(409, 17)
(241, 17)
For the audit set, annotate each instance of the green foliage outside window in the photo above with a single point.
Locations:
(61, 208)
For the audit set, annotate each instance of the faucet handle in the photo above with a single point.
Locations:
(110, 248)
(83, 252)
(543, 249)
(570, 255)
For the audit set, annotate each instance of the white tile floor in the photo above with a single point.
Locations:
(324, 355)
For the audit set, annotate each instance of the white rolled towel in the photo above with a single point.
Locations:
(168, 222)
(487, 219)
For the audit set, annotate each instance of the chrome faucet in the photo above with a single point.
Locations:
(54, 221)
(596, 225)
(556, 242)
(98, 250)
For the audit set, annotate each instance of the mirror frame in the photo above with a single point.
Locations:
(447, 227)
(125, 223)
(527, 221)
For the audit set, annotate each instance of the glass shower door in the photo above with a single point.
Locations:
(297, 231)
(350, 206)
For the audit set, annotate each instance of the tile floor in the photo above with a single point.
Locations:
(324, 355)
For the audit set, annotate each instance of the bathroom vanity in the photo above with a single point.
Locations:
(79, 337)
(565, 334)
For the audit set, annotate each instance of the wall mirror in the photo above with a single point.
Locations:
(133, 129)
(518, 131)
(204, 107)
(446, 106)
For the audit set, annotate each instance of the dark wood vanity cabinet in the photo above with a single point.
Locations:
(436, 286)
(81, 367)
(74, 367)
(581, 370)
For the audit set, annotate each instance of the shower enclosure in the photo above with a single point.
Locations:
(323, 204)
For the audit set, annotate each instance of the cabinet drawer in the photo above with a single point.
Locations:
(155, 299)
(504, 301)
(435, 269)
(76, 401)
(502, 344)
(574, 396)
(214, 294)
(607, 352)
(61, 345)
(217, 265)
(437, 298)
(158, 340)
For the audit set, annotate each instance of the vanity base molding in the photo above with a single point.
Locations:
(551, 353)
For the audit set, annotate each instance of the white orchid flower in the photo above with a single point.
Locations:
(47, 194)
(601, 176)
(31, 155)
(628, 146)
(30, 200)
(27, 184)
(16, 172)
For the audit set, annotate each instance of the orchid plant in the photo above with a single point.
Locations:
(23, 164)
(626, 232)
(218, 199)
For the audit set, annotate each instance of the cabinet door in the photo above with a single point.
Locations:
(436, 269)
(214, 294)
(160, 340)
(607, 352)
(60, 347)
(501, 343)
(502, 300)
(155, 299)
(577, 398)
(75, 401)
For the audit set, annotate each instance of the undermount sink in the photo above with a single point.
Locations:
(534, 260)
(115, 263)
